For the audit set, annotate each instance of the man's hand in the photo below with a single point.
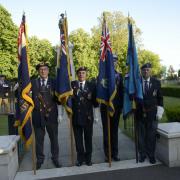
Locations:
(60, 117)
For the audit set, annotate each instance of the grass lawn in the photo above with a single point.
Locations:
(168, 102)
(3, 125)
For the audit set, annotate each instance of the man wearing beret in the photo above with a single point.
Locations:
(148, 114)
(114, 121)
(45, 114)
(83, 100)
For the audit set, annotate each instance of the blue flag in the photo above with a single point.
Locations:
(106, 87)
(63, 79)
(25, 103)
(133, 85)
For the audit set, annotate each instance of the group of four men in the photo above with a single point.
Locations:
(83, 101)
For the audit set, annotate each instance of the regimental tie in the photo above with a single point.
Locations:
(81, 86)
(42, 82)
(146, 87)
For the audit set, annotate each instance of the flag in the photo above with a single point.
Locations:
(106, 87)
(25, 103)
(133, 86)
(63, 78)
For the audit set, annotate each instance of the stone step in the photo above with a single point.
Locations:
(70, 171)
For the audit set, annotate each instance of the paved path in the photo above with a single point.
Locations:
(126, 148)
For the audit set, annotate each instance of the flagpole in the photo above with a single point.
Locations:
(109, 139)
(65, 28)
(33, 148)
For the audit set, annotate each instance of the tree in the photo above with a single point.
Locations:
(148, 56)
(171, 72)
(8, 45)
(83, 53)
(179, 73)
(40, 50)
(117, 24)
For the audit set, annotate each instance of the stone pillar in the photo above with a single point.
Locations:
(168, 145)
(8, 157)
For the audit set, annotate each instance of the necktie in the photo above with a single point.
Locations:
(43, 83)
(146, 87)
(81, 86)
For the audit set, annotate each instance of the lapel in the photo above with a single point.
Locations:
(150, 85)
(86, 86)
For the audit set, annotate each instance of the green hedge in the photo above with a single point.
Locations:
(173, 114)
(171, 91)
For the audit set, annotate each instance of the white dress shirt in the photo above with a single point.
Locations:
(45, 81)
(147, 80)
(83, 84)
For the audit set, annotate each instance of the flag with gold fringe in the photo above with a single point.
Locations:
(106, 86)
(63, 79)
(25, 103)
(133, 87)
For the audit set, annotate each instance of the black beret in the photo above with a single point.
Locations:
(82, 68)
(115, 57)
(147, 65)
(42, 64)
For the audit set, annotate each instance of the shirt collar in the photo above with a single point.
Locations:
(146, 79)
(83, 82)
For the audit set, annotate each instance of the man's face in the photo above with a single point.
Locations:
(43, 72)
(81, 76)
(146, 73)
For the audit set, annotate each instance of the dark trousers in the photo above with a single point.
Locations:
(147, 136)
(52, 130)
(114, 125)
(83, 154)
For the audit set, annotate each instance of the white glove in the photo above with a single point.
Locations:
(160, 111)
(60, 117)
(96, 115)
(16, 86)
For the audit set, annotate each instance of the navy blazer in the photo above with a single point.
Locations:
(83, 102)
(38, 117)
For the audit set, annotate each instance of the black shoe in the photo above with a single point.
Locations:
(38, 165)
(78, 163)
(142, 158)
(152, 160)
(116, 158)
(56, 163)
(89, 163)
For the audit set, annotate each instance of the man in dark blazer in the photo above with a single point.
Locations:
(114, 121)
(83, 100)
(4, 93)
(148, 114)
(45, 114)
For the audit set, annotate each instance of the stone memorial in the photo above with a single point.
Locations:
(168, 144)
(8, 157)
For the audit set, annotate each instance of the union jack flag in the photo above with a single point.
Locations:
(106, 87)
(105, 42)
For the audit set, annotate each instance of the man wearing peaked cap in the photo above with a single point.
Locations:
(148, 113)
